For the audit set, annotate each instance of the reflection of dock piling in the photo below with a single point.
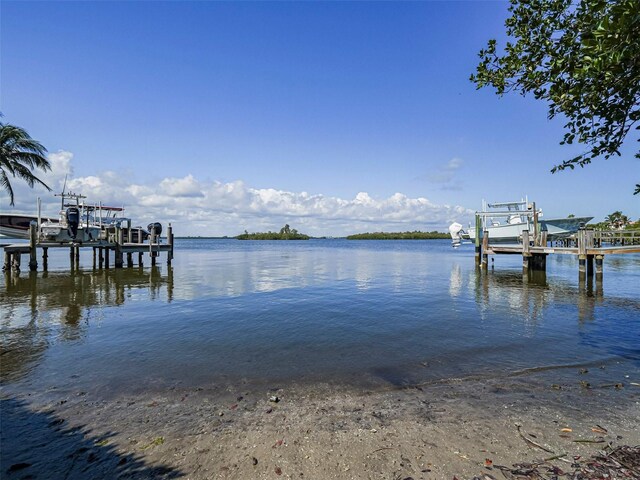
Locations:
(115, 242)
(588, 245)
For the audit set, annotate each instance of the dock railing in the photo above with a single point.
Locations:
(617, 237)
(587, 244)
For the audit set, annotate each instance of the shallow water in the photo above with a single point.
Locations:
(363, 313)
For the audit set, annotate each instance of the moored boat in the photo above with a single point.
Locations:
(70, 226)
(16, 225)
(77, 222)
(505, 222)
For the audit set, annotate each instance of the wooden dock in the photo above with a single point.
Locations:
(588, 245)
(114, 245)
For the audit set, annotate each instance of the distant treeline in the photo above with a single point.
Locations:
(399, 236)
(286, 233)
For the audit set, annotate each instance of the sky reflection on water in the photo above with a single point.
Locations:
(330, 310)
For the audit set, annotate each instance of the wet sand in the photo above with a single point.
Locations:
(430, 431)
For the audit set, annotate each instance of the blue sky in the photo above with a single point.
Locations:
(334, 117)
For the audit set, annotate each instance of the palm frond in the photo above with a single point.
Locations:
(19, 155)
(6, 185)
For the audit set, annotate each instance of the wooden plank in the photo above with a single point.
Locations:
(17, 248)
(614, 250)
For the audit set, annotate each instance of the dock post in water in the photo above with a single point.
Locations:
(129, 240)
(485, 249)
(590, 265)
(71, 257)
(599, 259)
(33, 252)
(478, 247)
(7, 261)
(538, 262)
(45, 258)
(170, 241)
(526, 255)
(16, 261)
(118, 261)
(589, 238)
(152, 239)
(582, 253)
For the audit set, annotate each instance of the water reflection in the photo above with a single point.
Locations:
(41, 309)
(529, 295)
(236, 273)
(455, 280)
(278, 311)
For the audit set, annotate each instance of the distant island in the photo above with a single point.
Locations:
(399, 236)
(286, 233)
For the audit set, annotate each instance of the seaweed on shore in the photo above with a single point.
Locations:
(620, 462)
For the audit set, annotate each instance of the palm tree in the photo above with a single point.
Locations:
(617, 220)
(19, 155)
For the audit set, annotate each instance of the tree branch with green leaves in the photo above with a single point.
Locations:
(583, 59)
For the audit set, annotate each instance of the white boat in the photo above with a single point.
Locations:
(72, 225)
(505, 222)
(77, 222)
(16, 225)
(109, 218)
(563, 227)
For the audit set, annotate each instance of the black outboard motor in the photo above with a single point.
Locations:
(155, 228)
(73, 220)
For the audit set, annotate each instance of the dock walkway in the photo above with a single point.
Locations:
(587, 244)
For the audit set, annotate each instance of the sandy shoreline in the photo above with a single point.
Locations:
(321, 431)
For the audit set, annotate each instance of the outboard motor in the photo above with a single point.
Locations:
(455, 229)
(73, 220)
(155, 228)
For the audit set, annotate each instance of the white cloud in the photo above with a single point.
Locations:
(445, 175)
(182, 187)
(197, 207)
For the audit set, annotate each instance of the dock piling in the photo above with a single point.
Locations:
(16, 261)
(538, 262)
(599, 259)
(526, 246)
(478, 247)
(117, 253)
(33, 252)
(485, 249)
(170, 242)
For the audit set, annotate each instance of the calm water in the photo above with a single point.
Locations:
(366, 313)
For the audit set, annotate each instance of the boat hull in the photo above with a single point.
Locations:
(556, 228)
(60, 234)
(563, 227)
(17, 225)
